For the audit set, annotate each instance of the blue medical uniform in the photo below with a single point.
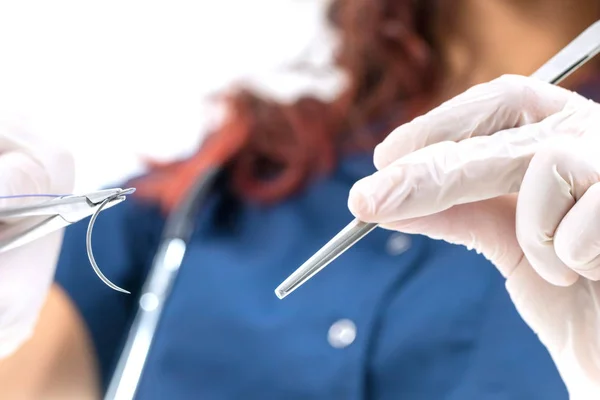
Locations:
(396, 317)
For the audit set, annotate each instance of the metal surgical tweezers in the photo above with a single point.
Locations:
(568, 60)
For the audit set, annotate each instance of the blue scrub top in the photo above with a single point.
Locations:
(396, 317)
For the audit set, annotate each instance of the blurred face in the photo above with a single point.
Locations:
(420, 53)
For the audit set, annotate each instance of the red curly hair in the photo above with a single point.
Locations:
(271, 150)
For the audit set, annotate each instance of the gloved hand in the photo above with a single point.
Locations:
(28, 165)
(509, 168)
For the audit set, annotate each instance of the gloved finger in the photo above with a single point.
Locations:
(556, 178)
(56, 160)
(19, 175)
(507, 102)
(446, 174)
(577, 239)
(485, 226)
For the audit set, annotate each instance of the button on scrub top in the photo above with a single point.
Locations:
(395, 317)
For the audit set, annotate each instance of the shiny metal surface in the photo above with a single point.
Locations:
(564, 63)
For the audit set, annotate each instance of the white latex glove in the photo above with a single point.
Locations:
(509, 168)
(28, 165)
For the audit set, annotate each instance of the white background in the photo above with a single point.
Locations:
(116, 80)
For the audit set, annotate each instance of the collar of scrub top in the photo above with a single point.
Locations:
(582, 49)
(41, 219)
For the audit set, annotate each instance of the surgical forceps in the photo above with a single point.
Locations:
(55, 213)
(582, 49)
